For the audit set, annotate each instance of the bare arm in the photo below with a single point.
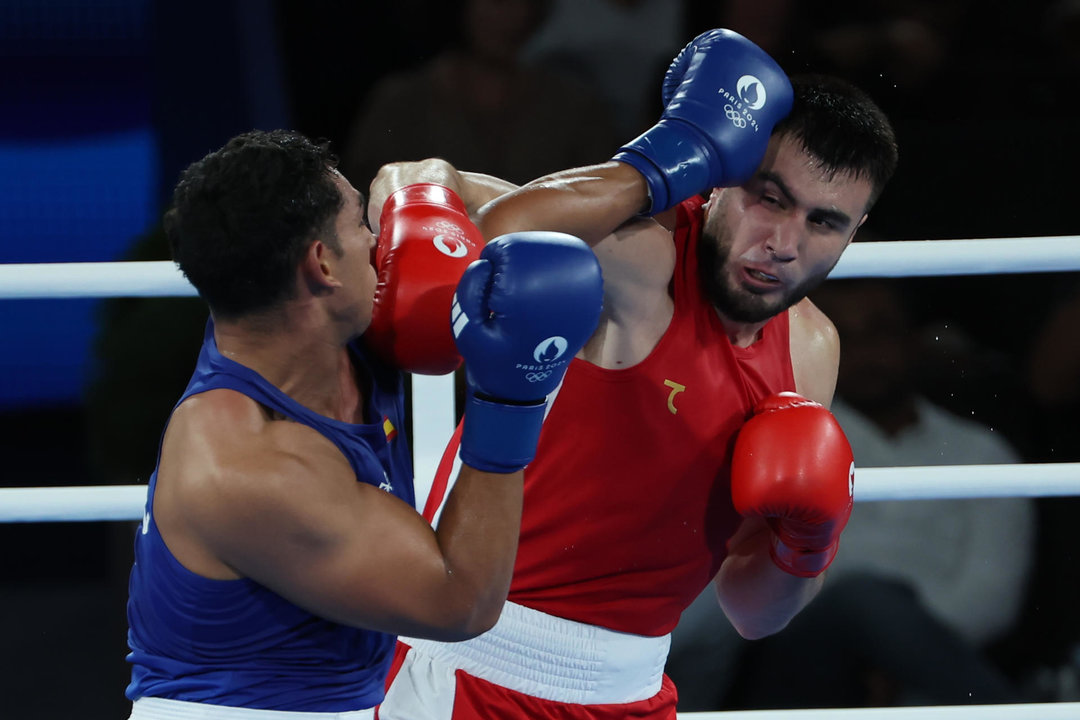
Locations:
(589, 202)
(756, 596)
(474, 189)
(277, 502)
(598, 203)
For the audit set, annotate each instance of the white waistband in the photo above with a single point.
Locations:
(151, 708)
(556, 659)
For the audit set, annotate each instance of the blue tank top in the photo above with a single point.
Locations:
(235, 642)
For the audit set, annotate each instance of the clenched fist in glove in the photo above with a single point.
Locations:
(722, 96)
(792, 465)
(426, 241)
(521, 313)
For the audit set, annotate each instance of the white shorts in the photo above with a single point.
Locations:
(534, 660)
(151, 708)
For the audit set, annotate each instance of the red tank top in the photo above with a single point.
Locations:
(628, 505)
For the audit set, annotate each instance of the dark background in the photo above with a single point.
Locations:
(102, 105)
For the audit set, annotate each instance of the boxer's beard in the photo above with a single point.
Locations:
(734, 301)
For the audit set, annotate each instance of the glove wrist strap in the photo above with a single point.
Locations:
(675, 161)
(801, 563)
(498, 436)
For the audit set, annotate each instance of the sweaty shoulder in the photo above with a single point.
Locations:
(228, 467)
(815, 352)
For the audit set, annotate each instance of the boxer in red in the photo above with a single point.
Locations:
(690, 440)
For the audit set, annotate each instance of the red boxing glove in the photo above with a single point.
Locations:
(426, 241)
(792, 465)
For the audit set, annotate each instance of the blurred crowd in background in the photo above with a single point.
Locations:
(103, 104)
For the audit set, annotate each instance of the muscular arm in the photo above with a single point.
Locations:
(598, 204)
(474, 189)
(758, 598)
(277, 503)
(589, 202)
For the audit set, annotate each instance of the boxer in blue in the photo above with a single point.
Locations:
(280, 553)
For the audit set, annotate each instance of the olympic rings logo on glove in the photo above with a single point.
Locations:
(537, 376)
(734, 116)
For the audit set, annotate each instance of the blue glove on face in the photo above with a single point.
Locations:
(521, 313)
(722, 96)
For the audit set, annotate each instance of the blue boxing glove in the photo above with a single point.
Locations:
(722, 96)
(521, 313)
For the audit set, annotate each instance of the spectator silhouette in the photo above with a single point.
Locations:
(476, 105)
(610, 45)
(1051, 630)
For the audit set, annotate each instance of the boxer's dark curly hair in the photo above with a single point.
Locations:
(243, 216)
(842, 126)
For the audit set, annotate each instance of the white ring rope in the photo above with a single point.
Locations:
(1019, 711)
(906, 258)
(157, 278)
(924, 258)
(941, 482)
(125, 502)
